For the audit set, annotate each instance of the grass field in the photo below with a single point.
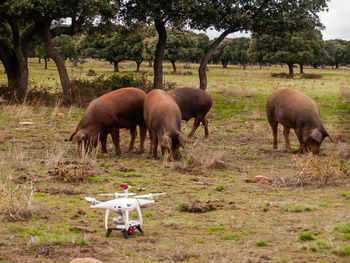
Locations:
(301, 216)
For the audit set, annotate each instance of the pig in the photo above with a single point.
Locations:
(105, 115)
(293, 109)
(163, 120)
(194, 103)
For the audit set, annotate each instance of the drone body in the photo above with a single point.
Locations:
(122, 206)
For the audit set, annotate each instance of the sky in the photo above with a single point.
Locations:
(336, 21)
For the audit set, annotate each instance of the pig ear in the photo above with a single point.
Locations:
(325, 134)
(166, 141)
(182, 140)
(79, 136)
(316, 135)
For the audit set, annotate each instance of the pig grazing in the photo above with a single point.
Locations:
(293, 109)
(194, 103)
(122, 108)
(163, 120)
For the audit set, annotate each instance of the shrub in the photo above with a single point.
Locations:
(306, 236)
(84, 91)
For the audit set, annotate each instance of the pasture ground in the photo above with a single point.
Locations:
(302, 216)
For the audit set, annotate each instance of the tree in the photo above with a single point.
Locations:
(177, 47)
(134, 46)
(17, 36)
(161, 13)
(66, 46)
(260, 16)
(336, 50)
(23, 21)
(303, 47)
(239, 48)
(223, 53)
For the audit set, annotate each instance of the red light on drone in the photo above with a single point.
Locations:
(124, 185)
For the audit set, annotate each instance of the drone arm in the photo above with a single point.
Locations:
(106, 218)
(140, 214)
(126, 219)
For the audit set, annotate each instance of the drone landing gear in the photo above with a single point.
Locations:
(126, 233)
(109, 231)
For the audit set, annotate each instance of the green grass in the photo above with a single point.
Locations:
(297, 208)
(127, 174)
(306, 236)
(234, 236)
(261, 243)
(217, 228)
(45, 240)
(97, 179)
(345, 229)
(343, 251)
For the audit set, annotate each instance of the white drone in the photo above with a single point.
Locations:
(122, 206)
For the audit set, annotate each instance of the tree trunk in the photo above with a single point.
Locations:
(290, 67)
(336, 65)
(202, 67)
(260, 65)
(45, 59)
(75, 61)
(301, 66)
(159, 55)
(57, 58)
(116, 66)
(173, 64)
(224, 64)
(39, 60)
(150, 63)
(22, 63)
(138, 64)
(8, 59)
(244, 65)
(315, 65)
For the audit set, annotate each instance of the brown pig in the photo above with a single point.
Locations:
(194, 103)
(163, 120)
(293, 109)
(122, 108)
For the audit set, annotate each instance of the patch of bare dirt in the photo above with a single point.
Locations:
(201, 207)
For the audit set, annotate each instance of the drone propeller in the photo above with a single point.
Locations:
(118, 194)
(92, 200)
(150, 196)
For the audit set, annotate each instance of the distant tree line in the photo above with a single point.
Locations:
(302, 48)
(25, 25)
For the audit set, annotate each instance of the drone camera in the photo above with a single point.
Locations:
(126, 186)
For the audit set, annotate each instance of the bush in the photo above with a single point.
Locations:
(84, 91)
(310, 76)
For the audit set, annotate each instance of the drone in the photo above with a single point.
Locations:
(122, 206)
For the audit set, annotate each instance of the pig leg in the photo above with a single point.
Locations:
(300, 139)
(205, 124)
(103, 140)
(286, 137)
(154, 145)
(143, 131)
(115, 138)
(195, 126)
(133, 134)
(274, 133)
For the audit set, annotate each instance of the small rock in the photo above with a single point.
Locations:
(26, 123)
(258, 179)
(85, 260)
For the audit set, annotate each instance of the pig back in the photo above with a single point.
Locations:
(192, 101)
(122, 108)
(161, 110)
(293, 109)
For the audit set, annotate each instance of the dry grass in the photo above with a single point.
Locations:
(241, 91)
(71, 172)
(315, 171)
(16, 204)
